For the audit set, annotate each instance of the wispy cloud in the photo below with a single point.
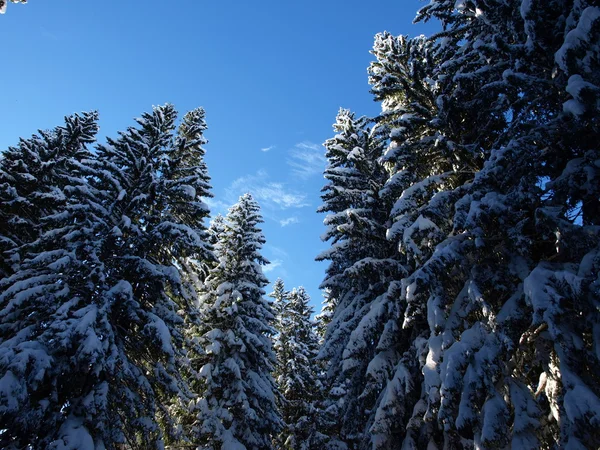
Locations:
(269, 194)
(216, 206)
(267, 149)
(48, 35)
(307, 159)
(288, 221)
(277, 252)
(272, 265)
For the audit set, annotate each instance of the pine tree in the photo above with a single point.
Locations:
(361, 267)
(4, 3)
(280, 300)
(185, 183)
(498, 297)
(45, 205)
(428, 165)
(216, 228)
(98, 363)
(296, 347)
(237, 408)
(154, 185)
(33, 177)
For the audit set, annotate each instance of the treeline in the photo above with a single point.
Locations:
(124, 321)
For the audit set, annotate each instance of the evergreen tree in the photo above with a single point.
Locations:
(44, 202)
(33, 178)
(98, 363)
(154, 184)
(360, 269)
(492, 323)
(237, 408)
(216, 228)
(280, 300)
(185, 182)
(4, 4)
(499, 289)
(323, 319)
(428, 165)
(296, 347)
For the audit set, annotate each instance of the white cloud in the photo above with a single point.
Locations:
(216, 206)
(266, 149)
(272, 265)
(288, 221)
(307, 159)
(269, 194)
(276, 251)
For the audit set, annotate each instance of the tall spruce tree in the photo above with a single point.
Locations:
(280, 300)
(296, 346)
(361, 266)
(237, 409)
(492, 174)
(499, 295)
(33, 178)
(98, 364)
(44, 202)
(428, 165)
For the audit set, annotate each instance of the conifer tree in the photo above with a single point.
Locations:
(237, 408)
(296, 347)
(216, 228)
(98, 363)
(361, 266)
(280, 300)
(33, 177)
(497, 361)
(490, 125)
(44, 202)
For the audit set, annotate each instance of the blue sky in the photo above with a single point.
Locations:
(270, 74)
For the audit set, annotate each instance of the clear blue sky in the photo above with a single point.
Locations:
(270, 74)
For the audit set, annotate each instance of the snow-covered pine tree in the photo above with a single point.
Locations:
(428, 166)
(4, 3)
(323, 319)
(182, 240)
(237, 409)
(296, 347)
(358, 276)
(33, 176)
(185, 182)
(96, 365)
(507, 288)
(42, 370)
(215, 229)
(154, 184)
(280, 299)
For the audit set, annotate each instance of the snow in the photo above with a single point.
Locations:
(582, 404)
(230, 442)
(577, 38)
(12, 393)
(575, 86)
(495, 415)
(157, 327)
(73, 436)
(542, 292)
